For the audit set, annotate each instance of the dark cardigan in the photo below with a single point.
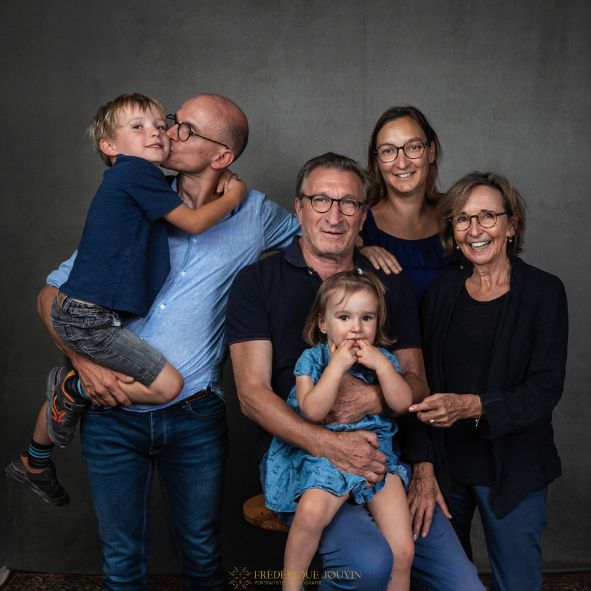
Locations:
(525, 380)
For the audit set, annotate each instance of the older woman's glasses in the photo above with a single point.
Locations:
(389, 152)
(322, 203)
(184, 131)
(485, 219)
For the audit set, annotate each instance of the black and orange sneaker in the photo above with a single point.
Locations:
(44, 483)
(63, 408)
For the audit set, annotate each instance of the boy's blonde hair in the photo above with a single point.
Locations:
(106, 119)
(347, 282)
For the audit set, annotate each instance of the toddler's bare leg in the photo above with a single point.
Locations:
(315, 511)
(389, 508)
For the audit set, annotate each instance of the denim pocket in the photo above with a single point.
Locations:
(210, 406)
(72, 307)
(85, 316)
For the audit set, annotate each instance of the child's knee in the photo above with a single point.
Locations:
(403, 556)
(167, 386)
(310, 513)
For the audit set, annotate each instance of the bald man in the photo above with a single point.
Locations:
(185, 441)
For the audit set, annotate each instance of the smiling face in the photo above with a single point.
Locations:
(140, 133)
(404, 176)
(350, 316)
(485, 246)
(331, 234)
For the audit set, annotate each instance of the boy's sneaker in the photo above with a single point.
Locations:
(45, 483)
(63, 410)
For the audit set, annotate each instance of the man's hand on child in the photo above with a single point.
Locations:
(101, 384)
(357, 452)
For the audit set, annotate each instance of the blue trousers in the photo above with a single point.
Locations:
(513, 542)
(187, 444)
(359, 558)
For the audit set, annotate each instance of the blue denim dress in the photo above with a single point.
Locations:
(291, 471)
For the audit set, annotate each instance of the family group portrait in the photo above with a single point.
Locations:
(296, 296)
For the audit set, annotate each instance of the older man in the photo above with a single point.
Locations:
(186, 440)
(268, 304)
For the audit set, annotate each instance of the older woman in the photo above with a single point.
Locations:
(403, 155)
(495, 342)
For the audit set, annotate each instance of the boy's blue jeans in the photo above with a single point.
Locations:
(187, 443)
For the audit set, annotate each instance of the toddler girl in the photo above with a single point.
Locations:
(345, 325)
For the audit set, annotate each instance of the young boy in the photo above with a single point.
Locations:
(121, 265)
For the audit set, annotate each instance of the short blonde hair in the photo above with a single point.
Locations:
(106, 119)
(348, 282)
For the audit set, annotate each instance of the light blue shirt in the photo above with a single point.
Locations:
(186, 320)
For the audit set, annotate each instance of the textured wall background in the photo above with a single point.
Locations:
(506, 84)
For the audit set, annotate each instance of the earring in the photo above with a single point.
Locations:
(510, 240)
(457, 247)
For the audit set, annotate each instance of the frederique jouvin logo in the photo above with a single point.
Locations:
(241, 578)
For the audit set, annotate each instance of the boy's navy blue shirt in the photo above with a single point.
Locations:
(123, 257)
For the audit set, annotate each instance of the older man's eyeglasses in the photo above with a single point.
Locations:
(322, 203)
(184, 131)
(485, 219)
(389, 152)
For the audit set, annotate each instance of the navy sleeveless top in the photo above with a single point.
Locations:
(423, 260)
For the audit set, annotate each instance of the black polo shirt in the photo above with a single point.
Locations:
(270, 300)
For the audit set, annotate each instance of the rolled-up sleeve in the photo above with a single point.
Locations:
(60, 275)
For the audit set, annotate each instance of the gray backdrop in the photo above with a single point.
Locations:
(505, 84)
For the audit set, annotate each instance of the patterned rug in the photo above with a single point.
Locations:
(25, 581)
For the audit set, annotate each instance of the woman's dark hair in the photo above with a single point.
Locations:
(457, 196)
(377, 190)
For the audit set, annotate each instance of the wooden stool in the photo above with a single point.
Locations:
(256, 513)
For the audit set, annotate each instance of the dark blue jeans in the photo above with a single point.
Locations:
(353, 543)
(356, 556)
(513, 542)
(187, 444)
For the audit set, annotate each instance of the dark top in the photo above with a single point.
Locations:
(270, 300)
(524, 382)
(467, 352)
(423, 260)
(123, 258)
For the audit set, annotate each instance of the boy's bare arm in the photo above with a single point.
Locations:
(196, 221)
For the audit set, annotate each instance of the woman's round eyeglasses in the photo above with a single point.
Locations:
(485, 219)
(389, 152)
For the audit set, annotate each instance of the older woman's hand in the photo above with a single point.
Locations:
(444, 409)
(423, 495)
